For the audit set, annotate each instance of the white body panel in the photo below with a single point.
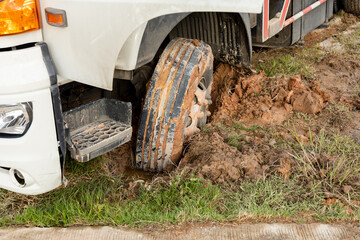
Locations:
(35, 154)
(22, 71)
(87, 50)
(18, 39)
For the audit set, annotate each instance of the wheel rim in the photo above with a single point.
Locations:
(199, 109)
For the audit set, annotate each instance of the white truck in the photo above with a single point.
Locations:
(70, 68)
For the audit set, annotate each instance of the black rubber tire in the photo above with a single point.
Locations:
(352, 6)
(182, 66)
(337, 5)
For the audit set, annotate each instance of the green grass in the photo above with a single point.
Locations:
(291, 63)
(236, 141)
(351, 42)
(329, 157)
(302, 60)
(237, 138)
(241, 126)
(105, 201)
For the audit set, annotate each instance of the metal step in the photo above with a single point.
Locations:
(97, 128)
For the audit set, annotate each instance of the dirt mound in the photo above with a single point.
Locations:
(250, 98)
(118, 160)
(211, 158)
(261, 99)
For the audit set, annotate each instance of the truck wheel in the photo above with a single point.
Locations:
(337, 5)
(352, 6)
(176, 103)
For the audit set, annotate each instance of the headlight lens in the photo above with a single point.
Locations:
(15, 119)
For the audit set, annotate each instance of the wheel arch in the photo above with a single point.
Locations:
(158, 30)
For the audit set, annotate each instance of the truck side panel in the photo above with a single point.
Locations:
(87, 50)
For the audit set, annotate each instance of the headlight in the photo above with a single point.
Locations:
(15, 119)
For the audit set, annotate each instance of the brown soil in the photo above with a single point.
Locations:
(339, 24)
(264, 100)
(211, 158)
(251, 98)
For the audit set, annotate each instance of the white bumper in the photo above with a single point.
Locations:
(24, 78)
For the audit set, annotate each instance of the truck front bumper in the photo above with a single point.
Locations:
(24, 77)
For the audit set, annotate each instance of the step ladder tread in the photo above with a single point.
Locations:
(96, 135)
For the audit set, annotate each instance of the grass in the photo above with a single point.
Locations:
(291, 63)
(98, 199)
(237, 138)
(351, 42)
(105, 201)
(331, 158)
(300, 60)
(236, 141)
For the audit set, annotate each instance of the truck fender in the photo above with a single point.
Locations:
(159, 28)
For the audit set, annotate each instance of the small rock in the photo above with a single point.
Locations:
(295, 82)
(303, 139)
(272, 142)
(288, 107)
(308, 102)
(347, 189)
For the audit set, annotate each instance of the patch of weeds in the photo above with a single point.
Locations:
(304, 116)
(242, 127)
(291, 63)
(329, 158)
(207, 129)
(276, 197)
(237, 133)
(284, 64)
(337, 115)
(350, 41)
(79, 172)
(236, 141)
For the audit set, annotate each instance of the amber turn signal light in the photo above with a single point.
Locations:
(18, 16)
(56, 17)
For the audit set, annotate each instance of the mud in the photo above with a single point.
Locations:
(331, 98)
(210, 157)
(119, 160)
(338, 24)
(263, 100)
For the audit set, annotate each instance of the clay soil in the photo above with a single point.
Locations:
(252, 103)
(256, 119)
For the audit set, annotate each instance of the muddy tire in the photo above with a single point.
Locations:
(352, 6)
(176, 103)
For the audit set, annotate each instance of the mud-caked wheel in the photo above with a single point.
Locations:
(352, 6)
(176, 103)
